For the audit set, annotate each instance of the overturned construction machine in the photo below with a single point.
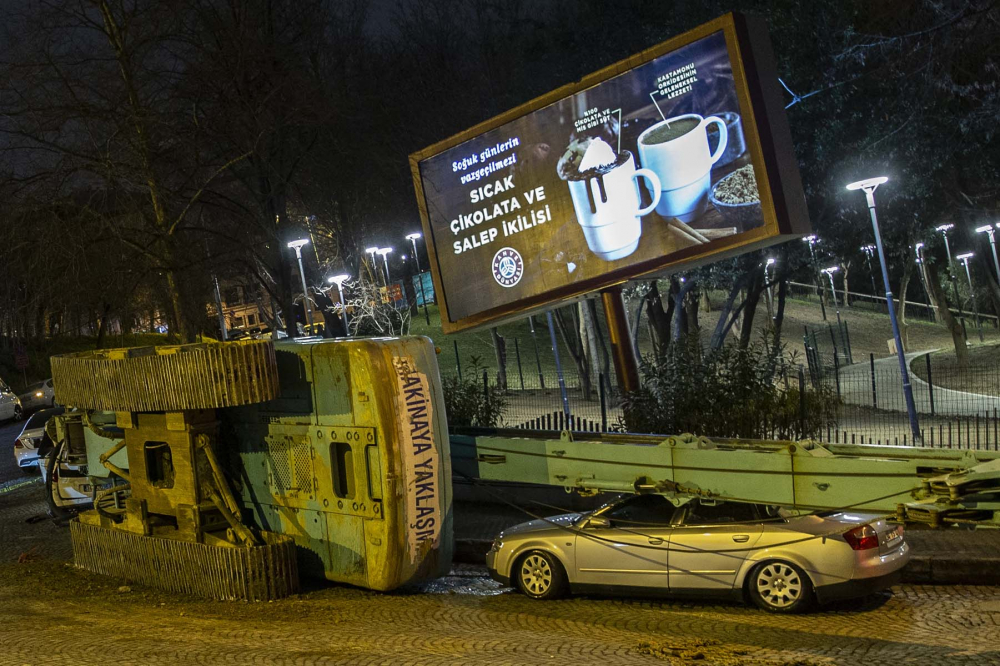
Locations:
(243, 463)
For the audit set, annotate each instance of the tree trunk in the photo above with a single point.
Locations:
(847, 291)
(953, 325)
(779, 315)
(588, 332)
(754, 290)
(659, 320)
(904, 284)
(102, 325)
(724, 322)
(568, 331)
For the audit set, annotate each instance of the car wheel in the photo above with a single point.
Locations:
(540, 575)
(18, 413)
(780, 587)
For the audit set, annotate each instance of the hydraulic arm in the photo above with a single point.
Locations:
(934, 486)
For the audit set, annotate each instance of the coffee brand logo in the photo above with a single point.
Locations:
(508, 267)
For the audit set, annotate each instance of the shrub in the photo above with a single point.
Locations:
(728, 392)
(469, 403)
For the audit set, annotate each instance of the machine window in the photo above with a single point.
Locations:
(159, 464)
(342, 463)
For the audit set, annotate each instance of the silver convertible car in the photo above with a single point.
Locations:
(644, 544)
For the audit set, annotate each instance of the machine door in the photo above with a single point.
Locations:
(709, 543)
(626, 544)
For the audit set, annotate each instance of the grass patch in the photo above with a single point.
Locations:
(980, 375)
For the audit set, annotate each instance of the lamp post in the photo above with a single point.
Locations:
(951, 274)
(812, 240)
(339, 280)
(869, 251)
(833, 289)
(769, 278)
(991, 230)
(923, 279)
(416, 258)
(297, 246)
(371, 253)
(384, 253)
(869, 186)
(964, 258)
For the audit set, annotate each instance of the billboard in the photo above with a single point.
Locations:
(676, 156)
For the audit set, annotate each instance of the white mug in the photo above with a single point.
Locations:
(608, 209)
(684, 165)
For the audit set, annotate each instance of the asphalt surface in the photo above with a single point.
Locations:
(53, 613)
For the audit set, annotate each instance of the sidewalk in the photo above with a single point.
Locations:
(856, 389)
(940, 557)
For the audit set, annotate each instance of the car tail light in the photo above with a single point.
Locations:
(862, 538)
(18, 444)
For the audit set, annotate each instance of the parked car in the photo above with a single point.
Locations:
(33, 444)
(644, 544)
(38, 396)
(68, 487)
(10, 404)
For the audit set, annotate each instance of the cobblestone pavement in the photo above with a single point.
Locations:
(51, 613)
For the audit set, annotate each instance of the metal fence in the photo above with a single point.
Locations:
(957, 408)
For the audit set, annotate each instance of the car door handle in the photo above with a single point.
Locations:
(741, 538)
(655, 541)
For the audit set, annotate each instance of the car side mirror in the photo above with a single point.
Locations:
(597, 522)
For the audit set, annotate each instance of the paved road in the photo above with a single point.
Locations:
(856, 389)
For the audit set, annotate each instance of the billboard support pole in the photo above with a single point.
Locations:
(622, 349)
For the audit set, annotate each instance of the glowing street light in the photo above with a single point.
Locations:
(923, 279)
(833, 290)
(964, 258)
(339, 280)
(384, 253)
(869, 186)
(944, 228)
(416, 257)
(813, 240)
(991, 230)
(372, 251)
(297, 245)
(869, 251)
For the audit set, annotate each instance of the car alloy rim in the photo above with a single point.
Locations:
(779, 585)
(536, 574)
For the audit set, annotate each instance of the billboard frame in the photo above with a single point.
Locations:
(768, 140)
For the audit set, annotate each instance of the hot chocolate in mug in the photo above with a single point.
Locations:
(677, 151)
(608, 207)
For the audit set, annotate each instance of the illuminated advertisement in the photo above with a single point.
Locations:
(656, 166)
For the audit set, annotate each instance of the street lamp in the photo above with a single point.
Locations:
(297, 246)
(869, 186)
(339, 280)
(833, 289)
(869, 251)
(812, 240)
(371, 253)
(991, 230)
(416, 257)
(964, 258)
(384, 253)
(769, 278)
(951, 273)
(923, 279)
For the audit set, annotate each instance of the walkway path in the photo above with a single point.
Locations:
(856, 389)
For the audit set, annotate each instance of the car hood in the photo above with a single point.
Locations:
(534, 526)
